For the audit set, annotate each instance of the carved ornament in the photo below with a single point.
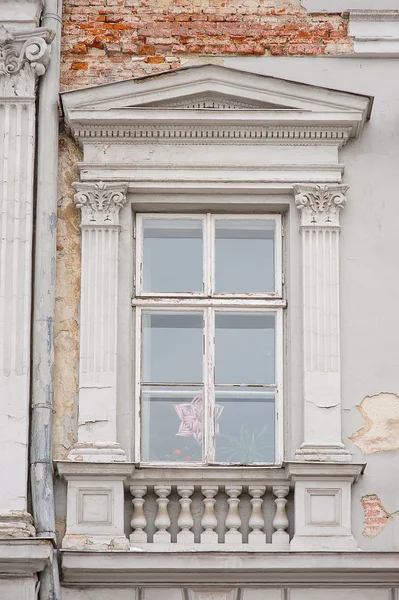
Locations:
(320, 204)
(23, 58)
(100, 202)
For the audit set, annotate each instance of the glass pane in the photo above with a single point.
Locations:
(172, 255)
(245, 425)
(245, 348)
(172, 424)
(172, 347)
(244, 256)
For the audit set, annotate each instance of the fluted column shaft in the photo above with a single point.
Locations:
(319, 207)
(23, 58)
(100, 204)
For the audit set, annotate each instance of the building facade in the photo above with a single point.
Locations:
(199, 384)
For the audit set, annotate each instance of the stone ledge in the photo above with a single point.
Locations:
(24, 556)
(139, 568)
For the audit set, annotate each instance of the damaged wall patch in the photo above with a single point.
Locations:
(376, 516)
(381, 424)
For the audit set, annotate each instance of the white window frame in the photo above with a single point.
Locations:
(209, 303)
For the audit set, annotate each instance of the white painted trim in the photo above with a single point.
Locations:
(375, 32)
(339, 6)
(209, 304)
(209, 78)
(358, 569)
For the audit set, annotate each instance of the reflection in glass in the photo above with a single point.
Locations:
(245, 347)
(172, 424)
(244, 256)
(246, 425)
(172, 347)
(172, 255)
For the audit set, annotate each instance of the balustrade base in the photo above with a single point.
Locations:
(94, 542)
(199, 547)
(335, 543)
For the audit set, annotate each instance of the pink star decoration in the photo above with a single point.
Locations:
(191, 416)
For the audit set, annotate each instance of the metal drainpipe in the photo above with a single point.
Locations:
(42, 385)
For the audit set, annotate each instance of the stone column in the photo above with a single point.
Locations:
(23, 58)
(319, 207)
(100, 204)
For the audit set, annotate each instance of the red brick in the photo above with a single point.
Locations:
(173, 29)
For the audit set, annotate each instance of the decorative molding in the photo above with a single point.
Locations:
(320, 205)
(375, 32)
(356, 569)
(211, 101)
(222, 134)
(339, 6)
(100, 202)
(180, 85)
(23, 58)
(213, 594)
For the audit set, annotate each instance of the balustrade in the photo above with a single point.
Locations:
(201, 517)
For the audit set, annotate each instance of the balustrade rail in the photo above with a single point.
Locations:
(208, 516)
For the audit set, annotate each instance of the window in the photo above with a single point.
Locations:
(208, 338)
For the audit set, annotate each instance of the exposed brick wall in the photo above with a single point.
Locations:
(110, 40)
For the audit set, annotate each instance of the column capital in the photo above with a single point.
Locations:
(24, 56)
(100, 202)
(320, 204)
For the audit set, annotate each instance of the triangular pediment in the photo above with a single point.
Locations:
(213, 101)
(213, 87)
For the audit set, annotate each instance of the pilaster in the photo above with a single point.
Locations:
(319, 207)
(100, 204)
(23, 58)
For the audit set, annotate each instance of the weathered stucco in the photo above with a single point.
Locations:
(381, 429)
(67, 302)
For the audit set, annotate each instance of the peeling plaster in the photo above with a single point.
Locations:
(376, 516)
(67, 303)
(381, 429)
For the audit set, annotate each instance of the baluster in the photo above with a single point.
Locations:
(162, 520)
(209, 521)
(233, 519)
(280, 522)
(256, 521)
(138, 521)
(185, 520)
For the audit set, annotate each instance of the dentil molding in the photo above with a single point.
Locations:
(24, 57)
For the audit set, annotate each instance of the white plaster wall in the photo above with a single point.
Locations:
(369, 267)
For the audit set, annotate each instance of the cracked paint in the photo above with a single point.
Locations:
(380, 432)
(376, 516)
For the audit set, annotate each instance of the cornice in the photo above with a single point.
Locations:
(25, 556)
(221, 134)
(181, 85)
(279, 568)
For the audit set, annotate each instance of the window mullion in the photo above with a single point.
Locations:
(209, 420)
(137, 366)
